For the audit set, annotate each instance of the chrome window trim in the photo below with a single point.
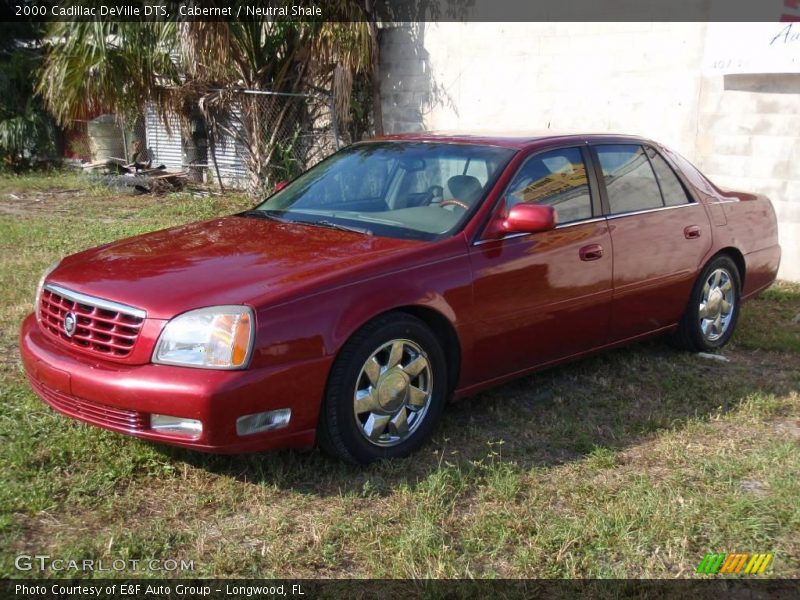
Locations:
(94, 301)
(593, 220)
(512, 236)
(692, 201)
(582, 222)
(649, 210)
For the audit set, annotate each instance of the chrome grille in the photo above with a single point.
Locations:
(103, 327)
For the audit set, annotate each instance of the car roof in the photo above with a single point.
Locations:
(517, 140)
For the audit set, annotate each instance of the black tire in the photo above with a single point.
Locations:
(339, 431)
(689, 335)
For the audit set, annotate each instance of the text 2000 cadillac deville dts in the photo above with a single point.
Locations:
(350, 305)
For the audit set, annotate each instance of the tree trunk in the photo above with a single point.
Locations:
(375, 71)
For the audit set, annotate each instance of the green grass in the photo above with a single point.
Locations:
(46, 181)
(634, 463)
(778, 303)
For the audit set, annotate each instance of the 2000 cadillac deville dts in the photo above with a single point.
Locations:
(351, 304)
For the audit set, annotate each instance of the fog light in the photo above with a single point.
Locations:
(179, 425)
(265, 421)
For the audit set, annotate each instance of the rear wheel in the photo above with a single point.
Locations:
(386, 391)
(713, 310)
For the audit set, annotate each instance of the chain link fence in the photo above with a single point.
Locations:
(268, 137)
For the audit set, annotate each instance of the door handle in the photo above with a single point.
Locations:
(591, 252)
(691, 232)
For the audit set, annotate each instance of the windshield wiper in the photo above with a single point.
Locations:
(269, 214)
(339, 226)
(262, 214)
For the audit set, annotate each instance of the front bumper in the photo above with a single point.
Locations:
(122, 397)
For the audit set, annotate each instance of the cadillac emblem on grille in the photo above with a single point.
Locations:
(70, 323)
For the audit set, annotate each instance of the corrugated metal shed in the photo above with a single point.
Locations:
(168, 151)
(166, 147)
(231, 155)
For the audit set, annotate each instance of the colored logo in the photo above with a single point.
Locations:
(742, 562)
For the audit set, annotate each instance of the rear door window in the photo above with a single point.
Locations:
(630, 182)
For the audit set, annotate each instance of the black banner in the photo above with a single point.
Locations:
(404, 10)
(216, 589)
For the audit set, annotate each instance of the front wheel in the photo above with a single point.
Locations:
(386, 391)
(713, 309)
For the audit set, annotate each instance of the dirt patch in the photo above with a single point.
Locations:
(23, 204)
(780, 368)
(755, 487)
(789, 427)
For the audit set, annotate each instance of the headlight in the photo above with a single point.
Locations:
(40, 285)
(217, 337)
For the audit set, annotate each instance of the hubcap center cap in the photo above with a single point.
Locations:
(392, 390)
(714, 305)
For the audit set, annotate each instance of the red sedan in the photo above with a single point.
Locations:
(398, 273)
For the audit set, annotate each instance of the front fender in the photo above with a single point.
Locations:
(319, 324)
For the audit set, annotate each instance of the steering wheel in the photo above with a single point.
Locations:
(435, 194)
(454, 202)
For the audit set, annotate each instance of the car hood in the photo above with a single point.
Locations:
(230, 260)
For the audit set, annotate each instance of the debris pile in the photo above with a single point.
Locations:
(139, 175)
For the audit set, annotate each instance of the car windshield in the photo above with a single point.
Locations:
(418, 190)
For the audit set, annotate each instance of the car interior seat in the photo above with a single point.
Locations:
(465, 188)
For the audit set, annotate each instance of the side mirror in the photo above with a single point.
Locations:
(280, 185)
(524, 218)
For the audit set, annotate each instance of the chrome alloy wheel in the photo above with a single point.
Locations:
(393, 392)
(716, 305)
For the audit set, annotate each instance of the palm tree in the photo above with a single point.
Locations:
(284, 58)
(118, 67)
(93, 67)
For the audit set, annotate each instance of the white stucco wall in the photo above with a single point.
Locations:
(640, 78)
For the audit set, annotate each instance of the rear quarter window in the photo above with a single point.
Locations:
(690, 172)
(671, 187)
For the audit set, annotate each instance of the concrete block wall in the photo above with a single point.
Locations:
(749, 138)
(640, 78)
